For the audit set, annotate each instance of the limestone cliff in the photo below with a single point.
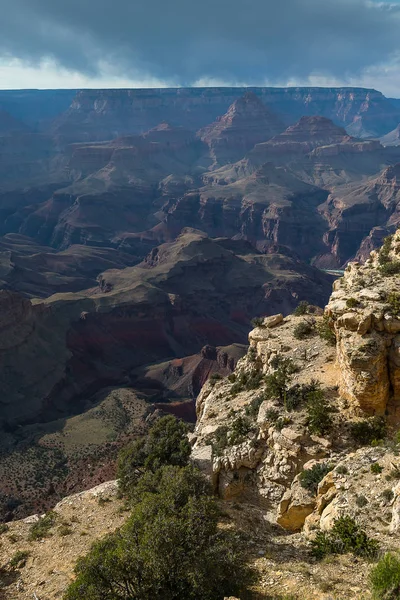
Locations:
(364, 310)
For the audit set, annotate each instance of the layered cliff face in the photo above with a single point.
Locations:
(247, 122)
(364, 312)
(102, 114)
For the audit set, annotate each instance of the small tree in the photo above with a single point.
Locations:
(278, 382)
(165, 444)
(171, 547)
(385, 578)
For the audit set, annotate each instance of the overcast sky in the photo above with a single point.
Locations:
(135, 43)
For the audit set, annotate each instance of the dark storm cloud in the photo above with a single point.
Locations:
(183, 40)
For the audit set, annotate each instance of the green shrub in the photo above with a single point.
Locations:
(171, 547)
(166, 443)
(19, 559)
(352, 303)
(41, 528)
(252, 409)
(214, 378)
(220, 440)
(345, 536)
(325, 331)
(383, 257)
(3, 528)
(282, 422)
(301, 309)
(393, 299)
(388, 495)
(361, 501)
(365, 432)
(64, 530)
(257, 321)
(232, 377)
(303, 330)
(272, 415)
(278, 382)
(247, 381)
(318, 412)
(390, 268)
(376, 468)
(342, 470)
(239, 430)
(385, 578)
(310, 478)
(300, 393)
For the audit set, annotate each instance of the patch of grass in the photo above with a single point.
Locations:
(325, 331)
(303, 330)
(385, 578)
(366, 431)
(41, 528)
(345, 536)
(310, 478)
(376, 468)
(19, 559)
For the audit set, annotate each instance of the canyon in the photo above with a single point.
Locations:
(142, 230)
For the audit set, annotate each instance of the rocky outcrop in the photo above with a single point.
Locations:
(364, 312)
(247, 122)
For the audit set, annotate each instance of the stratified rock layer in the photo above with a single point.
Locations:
(364, 311)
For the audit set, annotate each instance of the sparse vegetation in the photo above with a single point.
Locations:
(376, 468)
(41, 528)
(342, 470)
(388, 495)
(325, 330)
(361, 501)
(301, 309)
(253, 408)
(310, 478)
(393, 299)
(352, 303)
(384, 257)
(19, 559)
(345, 536)
(220, 440)
(64, 530)
(385, 578)
(3, 528)
(303, 330)
(318, 412)
(239, 430)
(257, 321)
(278, 382)
(366, 431)
(214, 378)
